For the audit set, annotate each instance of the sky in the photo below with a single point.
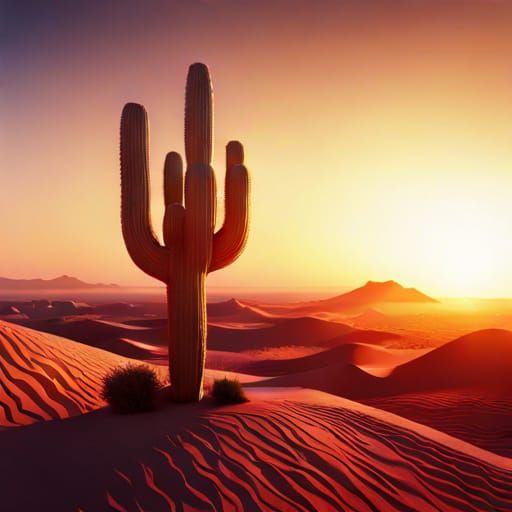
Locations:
(378, 135)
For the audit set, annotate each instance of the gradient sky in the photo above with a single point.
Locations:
(378, 134)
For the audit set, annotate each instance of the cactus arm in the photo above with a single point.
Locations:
(173, 227)
(230, 240)
(234, 154)
(173, 179)
(198, 115)
(141, 242)
(173, 199)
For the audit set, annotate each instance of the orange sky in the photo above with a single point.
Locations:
(378, 135)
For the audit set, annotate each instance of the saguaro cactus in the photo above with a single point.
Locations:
(191, 249)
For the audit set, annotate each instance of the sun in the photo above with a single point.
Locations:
(463, 245)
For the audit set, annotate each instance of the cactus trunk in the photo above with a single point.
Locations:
(186, 301)
(191, 248)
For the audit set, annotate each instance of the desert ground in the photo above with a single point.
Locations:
(377, 399)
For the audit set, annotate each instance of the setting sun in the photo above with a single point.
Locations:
(464, 245)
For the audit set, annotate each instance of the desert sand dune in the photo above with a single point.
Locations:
(285, 450)
(121, 325)
(369, 317)
(9, 312)
(462, 388)
(79, 328)
(113, 336)
(227, 342)
(481, 416)
(118, 309)
(235, 311)
(147, 322)
(47, 377)
(295, 331)
(363, 336)
(338, 378)
(300, 451)
(156, 337)
(359, 354)
(234, 326)
(9, 309)
(139, 350)
(483, 358)
(130, 311)
(46, 309)
(219, 360)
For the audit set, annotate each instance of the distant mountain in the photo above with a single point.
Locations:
(374, 292)
(59, 283)
(371, 293)
(355, 301)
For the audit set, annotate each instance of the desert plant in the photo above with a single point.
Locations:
(191, 248)
(228, 391)
(131, 388)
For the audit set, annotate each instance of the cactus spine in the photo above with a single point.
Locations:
(191, 248)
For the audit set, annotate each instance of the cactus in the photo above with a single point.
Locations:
(191, 249)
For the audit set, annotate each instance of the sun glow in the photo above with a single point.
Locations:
(464, 245)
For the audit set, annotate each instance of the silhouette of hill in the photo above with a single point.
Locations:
(356, 300)
(372, 293)
(59, 283)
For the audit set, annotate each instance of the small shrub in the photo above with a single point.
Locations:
(228, 391)
(131, 388)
